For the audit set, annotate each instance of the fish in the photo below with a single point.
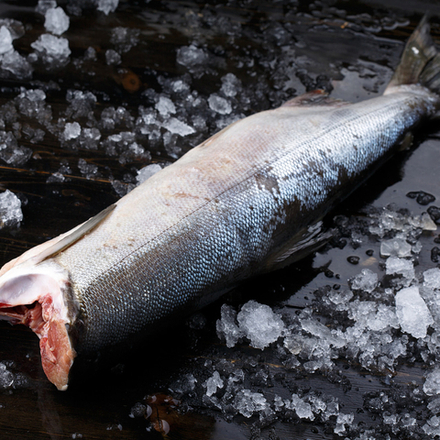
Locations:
(248, 200)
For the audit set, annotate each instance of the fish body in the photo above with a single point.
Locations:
(245, 201)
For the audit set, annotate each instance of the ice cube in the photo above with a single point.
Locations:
(145, 173)
(431, 386)
(107, 6)
(213, 383)
(5, 40)
(219, 105)
(10, 209)
(413, 314)
(260, 324)
(56, 21)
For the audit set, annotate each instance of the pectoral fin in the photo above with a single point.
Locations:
(299, 246)
(52, 247)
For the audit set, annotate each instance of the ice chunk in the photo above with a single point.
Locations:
(6, 377)
(303, 409)
(260, 324)
(213, 383)
(247, 403)
(44, 5)
(227, 326)
(145, 173)
(341, 421)
(366, 281)
(400, 266)
(88, 170)
(71, 131)
(89, 138)
(432, 427)
(10, 209)
(56, 177)
(173, 125)
(112, 58)
(53, 50)
(231, 85)
(5, 40)
(413, 314)
(219, 105)
(11, 152)
(16, 64)
(107, 6)
(191, 56)
(81, 104)
(165, 106)
(431, 386)
(431, 278)
(56, 21)
(396, 246)
(124, 38)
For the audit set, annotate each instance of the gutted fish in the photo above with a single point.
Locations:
(246, 201)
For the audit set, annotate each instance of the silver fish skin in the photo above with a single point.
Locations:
(241, 203)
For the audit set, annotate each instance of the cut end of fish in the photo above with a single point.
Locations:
(35, 296)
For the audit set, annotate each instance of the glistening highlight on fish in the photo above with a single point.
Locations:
(246, 201)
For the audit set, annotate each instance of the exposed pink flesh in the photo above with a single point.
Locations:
(44, 319)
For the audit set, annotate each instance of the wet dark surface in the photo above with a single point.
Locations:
(277, 50)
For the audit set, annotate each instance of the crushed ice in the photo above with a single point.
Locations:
(383, 315)
(375, 322)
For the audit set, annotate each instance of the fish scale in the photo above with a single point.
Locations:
(223, 242)
(246, 201)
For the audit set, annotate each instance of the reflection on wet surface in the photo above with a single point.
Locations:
(141, 86)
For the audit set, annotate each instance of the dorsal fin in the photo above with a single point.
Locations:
(300, 245)
(315, 98)
(71, 237)
(76, 234)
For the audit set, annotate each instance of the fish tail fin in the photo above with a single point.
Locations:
(420, 61)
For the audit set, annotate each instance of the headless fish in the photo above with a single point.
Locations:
(245, 201)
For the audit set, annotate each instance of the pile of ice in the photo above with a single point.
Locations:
(388, 315)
